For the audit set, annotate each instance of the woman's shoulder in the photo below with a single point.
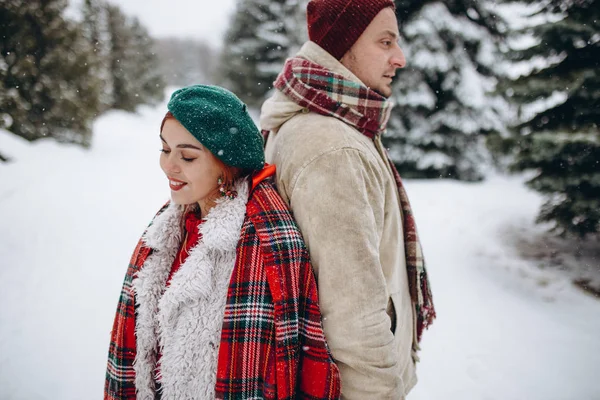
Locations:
(270, 214)
(266, 202)
(271, 225)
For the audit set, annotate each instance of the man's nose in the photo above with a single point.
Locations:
(398, 60)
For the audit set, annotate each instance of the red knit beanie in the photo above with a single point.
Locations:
(336, 24)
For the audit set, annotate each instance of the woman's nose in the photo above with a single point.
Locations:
(170, 163)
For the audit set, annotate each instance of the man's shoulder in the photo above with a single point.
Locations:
(317, 133)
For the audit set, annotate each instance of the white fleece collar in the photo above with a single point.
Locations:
(158, 309)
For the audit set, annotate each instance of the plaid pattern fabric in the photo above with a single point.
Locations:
(285, 357)
(272, 341)
(120, 376)
(324, 92)
(420, 291)
(320, 90)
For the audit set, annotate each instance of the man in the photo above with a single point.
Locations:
(324, 125)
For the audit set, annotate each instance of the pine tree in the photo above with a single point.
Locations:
(46, 88)
(120, 61)
(558, 135)
(262, 34)
(444, 97)
(149, 83)
(133, 64)
(95, 31)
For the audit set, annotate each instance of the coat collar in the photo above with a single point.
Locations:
(217, 230)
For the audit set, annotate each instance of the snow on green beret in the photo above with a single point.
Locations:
(220, 121)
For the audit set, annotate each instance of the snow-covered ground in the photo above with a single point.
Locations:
(69, 219)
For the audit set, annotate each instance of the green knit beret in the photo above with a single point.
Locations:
(220, 121)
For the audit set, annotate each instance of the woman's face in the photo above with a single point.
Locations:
(192, 170)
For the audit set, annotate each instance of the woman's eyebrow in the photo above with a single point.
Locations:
(183, 145)
(188, 146)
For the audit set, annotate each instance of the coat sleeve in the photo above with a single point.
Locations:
(338, 202)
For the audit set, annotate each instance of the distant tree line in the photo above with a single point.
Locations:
(461, 110)
(57, 75)
(186, 61)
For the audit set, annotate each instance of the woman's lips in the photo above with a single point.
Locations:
(176, 184)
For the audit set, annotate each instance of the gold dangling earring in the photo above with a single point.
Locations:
(226, 191)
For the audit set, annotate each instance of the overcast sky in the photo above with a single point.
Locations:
(199, 19)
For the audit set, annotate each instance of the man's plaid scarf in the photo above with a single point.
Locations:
(272, 341)
(322, 91)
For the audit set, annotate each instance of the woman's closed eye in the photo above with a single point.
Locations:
(183, 157)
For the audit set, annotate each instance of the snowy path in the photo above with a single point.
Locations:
(505, 330)
(69, 219)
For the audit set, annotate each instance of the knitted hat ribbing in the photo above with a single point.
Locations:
(336, 25)
(220, 121)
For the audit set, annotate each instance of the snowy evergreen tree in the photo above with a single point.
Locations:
(46, 86)
(149, 82)
(133, 65)
(95, 31)
(262, 34)
(123, 90)
(444, 97)
(558, 135)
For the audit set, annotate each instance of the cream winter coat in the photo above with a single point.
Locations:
(345, 200)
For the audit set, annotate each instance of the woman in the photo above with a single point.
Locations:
(219, 300)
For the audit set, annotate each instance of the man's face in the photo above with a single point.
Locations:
(376, 54)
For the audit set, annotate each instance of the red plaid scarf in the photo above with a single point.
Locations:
(322, 91)
(272, 342)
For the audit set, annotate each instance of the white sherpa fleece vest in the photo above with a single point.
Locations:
(185, 320)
